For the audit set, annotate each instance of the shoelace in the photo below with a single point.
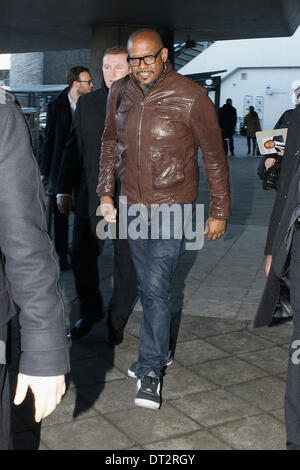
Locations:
(149, 384)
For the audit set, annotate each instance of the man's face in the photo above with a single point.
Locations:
(147, 74)
(83, 85)
(269, 144)
(115, 66)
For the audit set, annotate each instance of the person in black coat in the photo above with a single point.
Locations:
(86, 134)
(59, 119)
(227, 119)
(28, 277)
(283, 258)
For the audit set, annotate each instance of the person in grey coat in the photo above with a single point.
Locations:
(28, 276)
(283, 259)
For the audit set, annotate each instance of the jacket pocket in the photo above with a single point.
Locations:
(167, 169)
(122, 117)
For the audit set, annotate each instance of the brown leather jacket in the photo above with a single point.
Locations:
(152, 142)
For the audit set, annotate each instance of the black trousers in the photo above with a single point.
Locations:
(292, 395)
(61, 231)
(86, 248)
(253, 139)
(231, 146)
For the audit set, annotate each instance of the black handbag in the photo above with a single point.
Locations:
(243, 131)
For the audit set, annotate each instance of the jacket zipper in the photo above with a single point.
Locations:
(168, 103)
(139, 148)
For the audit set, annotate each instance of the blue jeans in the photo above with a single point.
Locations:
(155, 258)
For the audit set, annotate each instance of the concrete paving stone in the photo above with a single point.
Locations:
(278, 414)
(197, 351)
(210, 308)
(214, 407)
(228, 371)
(223, 279)
(280, 334)
(247, 311)
(95, 433)
(145, 426)
(239, 342)
(267, 392)
(253, 295)
(261, 432)
(97, 342)
(93, 370)
(114, 396)
(181, 381)
(185, 289)
(67, 411)
(199, 440)
(273, 360)
(207, 326)
(220, 294)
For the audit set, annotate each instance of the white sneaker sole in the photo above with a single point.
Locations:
(147, 404)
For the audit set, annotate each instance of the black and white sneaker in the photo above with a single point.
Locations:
(131, 370)
(148, 391)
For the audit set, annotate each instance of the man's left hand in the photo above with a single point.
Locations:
(215, 228)
(47, 392)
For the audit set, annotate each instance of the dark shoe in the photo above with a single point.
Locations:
(232, 154)
(82, 327)
(115, 337)
(131, 370)
(148, 392)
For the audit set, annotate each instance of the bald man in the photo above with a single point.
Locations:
(152, 143)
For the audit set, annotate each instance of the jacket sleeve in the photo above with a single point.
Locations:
(108, 157)
(48, 146)
(30, 264)
(71, 163)
(207, 133)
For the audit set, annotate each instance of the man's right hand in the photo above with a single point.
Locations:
(64, 204)
(107, 208)
(268, 264)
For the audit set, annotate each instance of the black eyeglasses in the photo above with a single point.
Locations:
(148, 59)
(86, 81)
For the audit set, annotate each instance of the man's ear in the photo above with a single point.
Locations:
(164, 54)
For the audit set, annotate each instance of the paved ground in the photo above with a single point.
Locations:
(225, 388)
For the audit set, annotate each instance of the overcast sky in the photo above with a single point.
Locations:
(4, 61)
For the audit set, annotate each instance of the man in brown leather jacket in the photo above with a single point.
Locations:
(152, 142)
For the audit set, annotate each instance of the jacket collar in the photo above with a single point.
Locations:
(167, 69)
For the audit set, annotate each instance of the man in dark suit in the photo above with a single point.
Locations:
(227, 119)
(28, 276)
(283, 259)
(86, 134)
(59, 119)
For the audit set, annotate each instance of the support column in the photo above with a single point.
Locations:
(105, 36)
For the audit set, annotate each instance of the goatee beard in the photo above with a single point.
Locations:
(146, 86)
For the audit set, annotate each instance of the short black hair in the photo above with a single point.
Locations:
(74, 72)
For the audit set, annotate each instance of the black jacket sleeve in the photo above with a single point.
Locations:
(71, 164)
(30, 263)
(48, 145)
